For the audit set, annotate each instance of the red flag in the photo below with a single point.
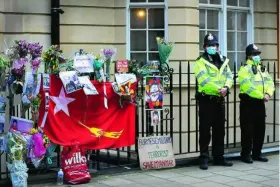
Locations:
(78, 118)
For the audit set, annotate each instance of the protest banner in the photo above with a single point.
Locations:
(156, 152)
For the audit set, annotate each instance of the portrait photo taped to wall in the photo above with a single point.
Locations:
(153, 92)
(70, 81)
(155, 117)
(21, 125)
(30, 89)
(88, 87)
(46, 81)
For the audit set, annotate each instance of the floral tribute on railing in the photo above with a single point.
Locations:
(24, 142)
(85, 74)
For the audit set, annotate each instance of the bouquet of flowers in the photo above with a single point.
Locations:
(38, 147)
(35, 104)
(98, 68)
(4, 63)
(18, 55)
(52, 58)
(17, 144)
(164, 49)
(107, 55)
(35, 50)
(16, 79)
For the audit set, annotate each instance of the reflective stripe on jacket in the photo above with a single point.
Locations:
(256, 86)
(210, 79)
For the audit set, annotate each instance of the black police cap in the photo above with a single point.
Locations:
(210, 39)
(252, 49)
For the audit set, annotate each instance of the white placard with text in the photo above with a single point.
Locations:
(156, 152)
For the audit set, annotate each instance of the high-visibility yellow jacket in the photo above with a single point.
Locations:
(255, 85)
(210, 79)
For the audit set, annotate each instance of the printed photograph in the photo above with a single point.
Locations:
(47, 99)
(70, 81)
(153, 66)
(30, 88)
(153, 92)
(88, 87)
(155, 117)
(2, 124)
(2, 142)
(46, 81)
(2, 104)
(21, 125)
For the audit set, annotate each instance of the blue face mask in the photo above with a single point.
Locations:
(256, 59)
(211, 50)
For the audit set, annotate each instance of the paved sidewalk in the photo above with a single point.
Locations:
(248, 175)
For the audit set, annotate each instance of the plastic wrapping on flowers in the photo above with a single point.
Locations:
(18, 170)
(18, 145)
(108, 55)
(164, 49)
(98, 68)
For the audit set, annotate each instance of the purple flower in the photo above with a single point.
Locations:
(19, 63)
(22, 48)
(18, 72)
(108, 53)
(35, 50)
(35, 62)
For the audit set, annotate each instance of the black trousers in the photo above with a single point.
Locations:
(252, 124)
(211, 114)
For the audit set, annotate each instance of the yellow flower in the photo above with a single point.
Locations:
(33, 131)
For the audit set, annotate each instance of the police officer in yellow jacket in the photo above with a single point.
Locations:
(214, 81)
(256, 88)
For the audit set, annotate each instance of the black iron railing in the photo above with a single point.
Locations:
(179, 119)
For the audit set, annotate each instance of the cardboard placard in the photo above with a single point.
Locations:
(122, 66)
(156, 152)
(83, 63)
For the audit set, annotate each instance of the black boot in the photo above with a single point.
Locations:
(260, 158)
(221, 162)
(247, 159)
(203, 163)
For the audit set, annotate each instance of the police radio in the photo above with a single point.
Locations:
(254, 69)
(262, 68)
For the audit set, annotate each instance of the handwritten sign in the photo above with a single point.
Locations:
(156, 152)
(122, 66)
(83, 63)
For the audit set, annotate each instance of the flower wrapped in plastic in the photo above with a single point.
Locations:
(108, 55)
(98, 69)
(50, 150)
(18, 171)
(37, 149)
(17, 145)
(164, 49)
